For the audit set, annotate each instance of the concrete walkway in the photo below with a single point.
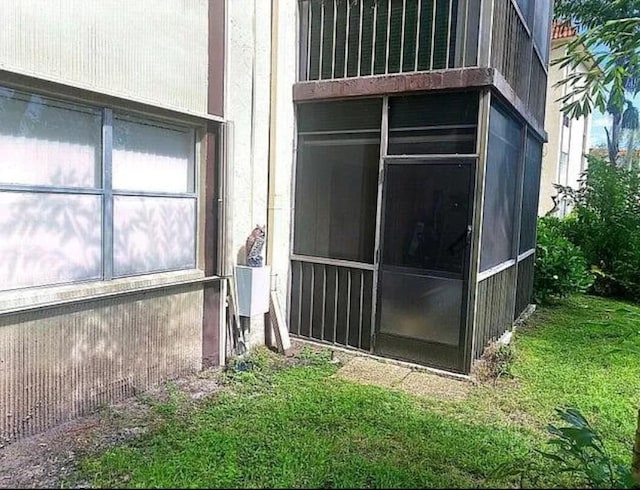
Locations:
(371, 371)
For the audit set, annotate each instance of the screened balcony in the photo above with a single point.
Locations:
(354, 38)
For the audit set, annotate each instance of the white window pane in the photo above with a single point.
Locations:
(49, 239)
(48, 143)
(152, 158)
(153, 234)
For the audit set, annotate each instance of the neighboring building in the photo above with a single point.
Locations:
(392, 147)
(564, 155)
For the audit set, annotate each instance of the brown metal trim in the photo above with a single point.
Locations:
(393, 84)
(215, 89)
(212, 296)
(211, 354)
(462, 78)
(211, 325)
(82, 95)
(209, 196)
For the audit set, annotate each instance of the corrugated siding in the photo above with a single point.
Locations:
(494, 314)
(524, 291)
(59, 363)
(154, 51)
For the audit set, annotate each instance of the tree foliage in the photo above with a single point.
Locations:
(608, 41)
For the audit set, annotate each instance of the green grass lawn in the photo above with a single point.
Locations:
(297, 426)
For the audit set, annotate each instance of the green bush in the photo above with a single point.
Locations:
(495, 362)
(575, 448)
(561, 268)
(605, 224)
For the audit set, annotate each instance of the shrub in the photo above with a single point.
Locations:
(579, 449)
(495, 362)
(561, 268)
(576, 449)
(605, 224)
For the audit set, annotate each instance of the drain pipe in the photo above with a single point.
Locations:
(271, 172)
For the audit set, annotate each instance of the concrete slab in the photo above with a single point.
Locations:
(369, 371)
(426, 384)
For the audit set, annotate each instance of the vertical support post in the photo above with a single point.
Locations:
(346, 40)
(449, 19)
(388, 38)
(321, 41)
(476, 233)
(418, 21)
(305, 40)
(384, 132)
(485, 32)
(404, 12)
(373, 43)
(107, 196)
(433, 34)
(333, 50)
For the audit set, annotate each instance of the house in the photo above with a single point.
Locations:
(564, 155)
(391, 147)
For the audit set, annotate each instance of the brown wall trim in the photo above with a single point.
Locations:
(211, 325)
(81, 95)
(393, 84)
(210, 209)
(211, 306)
(217, 23)
(463, 78)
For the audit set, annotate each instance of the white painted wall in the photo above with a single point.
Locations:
(147, 50)
(247, 109)
(283, 138)
(576, 137)
(577, 132)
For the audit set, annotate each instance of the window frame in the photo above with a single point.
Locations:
(105, 189)
(503, 109)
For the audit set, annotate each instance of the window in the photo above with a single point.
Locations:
(503, 161)
(84, 196)
(418, 125)
(336, 192)
(530, 194)
(563, 176)
(337, 179)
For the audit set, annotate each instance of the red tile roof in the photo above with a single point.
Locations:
(562, 30)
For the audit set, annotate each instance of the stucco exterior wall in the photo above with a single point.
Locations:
(65, 350)
(577, 135)
(283, 145)
(247, 109)
(148, 50)
(577, 150)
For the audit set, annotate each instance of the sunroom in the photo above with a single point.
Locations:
(414, 226)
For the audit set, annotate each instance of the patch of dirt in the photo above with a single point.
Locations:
(338, 356)
(371, 372)
(48, 460)
(427, 384)
(413, 381)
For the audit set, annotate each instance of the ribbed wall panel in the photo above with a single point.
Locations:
(59, 363)
(494, 315)
(153, 51)
(524, 291)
